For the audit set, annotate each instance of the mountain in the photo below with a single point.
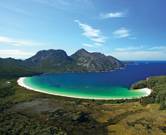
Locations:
(95, 61)
(52, 56)
(57, 61)
(50, 61)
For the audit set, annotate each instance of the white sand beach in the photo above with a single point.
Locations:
(148, 91)
(20, 82)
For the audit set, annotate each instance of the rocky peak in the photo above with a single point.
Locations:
(81, 52)
(50, 55)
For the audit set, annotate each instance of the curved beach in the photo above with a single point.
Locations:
(20, 82)
(148, 91)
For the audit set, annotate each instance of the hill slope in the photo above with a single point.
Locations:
(95, 61)
(15, 68)
(57, 61)
(158, 95)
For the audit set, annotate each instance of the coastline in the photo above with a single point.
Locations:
(20, 82)
(112, 70)
(148, 91)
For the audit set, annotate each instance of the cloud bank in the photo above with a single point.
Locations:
(15, 54)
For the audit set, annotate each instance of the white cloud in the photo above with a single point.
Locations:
(88, 31)
(100, 39)
(129, 48)
(88, 45)
(111, 15)
(98, 44)
(121, 33)
(15, 54)
(133, 38)
(158, 48)
(93, 34)
(17, 42)
(140, 55)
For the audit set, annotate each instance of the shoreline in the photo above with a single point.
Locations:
(20, 82)
(112, 70)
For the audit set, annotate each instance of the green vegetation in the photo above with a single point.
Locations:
(158, 95)
(16, 124)
(11, 68)
(28, 112)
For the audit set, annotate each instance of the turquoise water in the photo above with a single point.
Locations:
(48, 83)
(108, 85)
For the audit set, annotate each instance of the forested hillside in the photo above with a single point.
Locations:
(158, 95)
(57, 61)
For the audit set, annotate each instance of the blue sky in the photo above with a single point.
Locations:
(125, 29)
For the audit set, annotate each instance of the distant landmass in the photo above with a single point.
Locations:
(57, 61)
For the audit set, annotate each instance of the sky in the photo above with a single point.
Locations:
(125, 29)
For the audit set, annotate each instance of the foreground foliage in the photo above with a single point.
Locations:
(16, 124)
(158, 95)
(27, 112)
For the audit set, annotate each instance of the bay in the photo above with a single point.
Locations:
(103, 85)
